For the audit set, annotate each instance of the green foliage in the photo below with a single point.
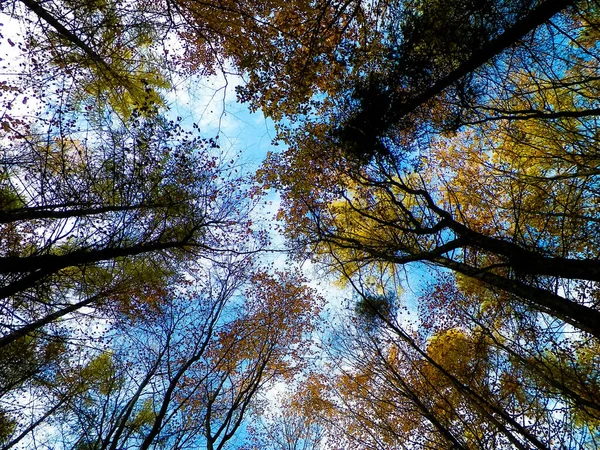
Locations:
(144, 417)
(7, 426)
(100, 374)
(106, 53)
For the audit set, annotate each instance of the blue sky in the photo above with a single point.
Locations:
(211, 103)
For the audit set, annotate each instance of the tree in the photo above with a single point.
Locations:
(481, 163)
(122, 207)
(468, 386)
(107, 53)
(186, 371)
(385, 212)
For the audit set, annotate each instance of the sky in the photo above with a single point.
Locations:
(210, 102)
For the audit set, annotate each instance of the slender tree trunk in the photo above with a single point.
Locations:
(53, 212)
(43, 14)
(582, 317)
(54, 263)
(23, 331)
(536, 17)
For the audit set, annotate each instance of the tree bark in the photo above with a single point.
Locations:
(30, 327)
(536, 17)
(52, 211)
(582, 317)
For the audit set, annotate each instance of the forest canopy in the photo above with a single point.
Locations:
(456, 142)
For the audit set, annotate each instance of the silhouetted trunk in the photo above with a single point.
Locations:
(580, 316)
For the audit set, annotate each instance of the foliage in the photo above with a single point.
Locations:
(478, 160)
(132, 310)
(457, 136)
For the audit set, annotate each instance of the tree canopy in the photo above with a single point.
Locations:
(456, 140)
